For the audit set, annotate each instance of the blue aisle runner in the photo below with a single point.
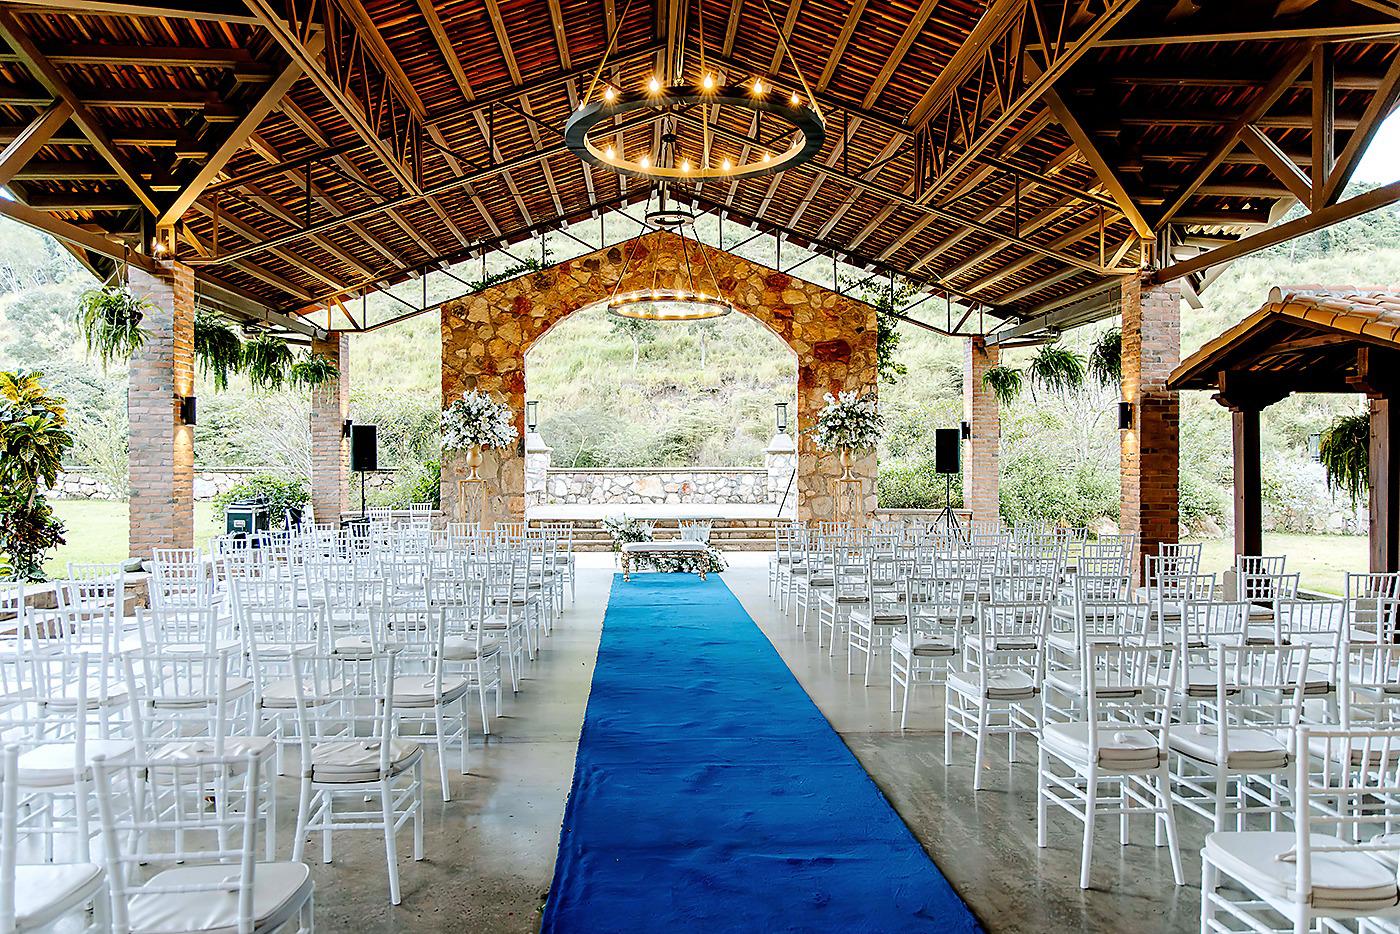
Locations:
(711, 795)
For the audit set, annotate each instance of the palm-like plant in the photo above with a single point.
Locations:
(1106, 358)
(1005, 382)
(1056, 369)
(33, 439)
(109, 319)
(218, 347)
(1345, 454)
(267, 360)
(312, 370)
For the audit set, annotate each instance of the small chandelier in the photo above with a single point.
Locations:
(697, 104)
(699, 299)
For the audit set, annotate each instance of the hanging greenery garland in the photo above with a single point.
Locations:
(109, 320)
(1106, 358)
(267, 360)
(1345, 454)
(312, 370)
(1005, 382)
(218, 347)
(1057, 369)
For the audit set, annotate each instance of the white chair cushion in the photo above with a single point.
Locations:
(278, 891)
(183, 752)
(52, 765)
(354, 646)
(925, 646)
(358, 760)
(1248, 750)
(283, 694)
(44, 892)
(1120, 749)
(463, 648)
(1347, 881)
(233, 688)
(421, 690)
(1003, 684)
(1071, 681)
(882, 617)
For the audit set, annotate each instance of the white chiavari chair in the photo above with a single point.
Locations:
(922, 651)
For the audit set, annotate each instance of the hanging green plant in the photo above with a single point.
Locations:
(312, 370)
(1005, 382)
(267, 360)
(1345, 455)
(109, 320)
(1106, 358)
(218, 347)
(1057, 369)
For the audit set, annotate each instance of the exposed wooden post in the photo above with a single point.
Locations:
(1249, 509)
(1385, 487)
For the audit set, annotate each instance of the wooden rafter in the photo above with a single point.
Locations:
(911, 32)
(1278, 163)
(1377, 110)
(1108, 176)
(838, 48)
(20, 150)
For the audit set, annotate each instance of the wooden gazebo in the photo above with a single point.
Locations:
(1339, 339)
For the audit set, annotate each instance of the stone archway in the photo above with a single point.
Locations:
(485, 338)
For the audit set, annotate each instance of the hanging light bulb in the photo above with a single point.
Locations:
(610, 152)
(767, 157)
(609, 95)
(708, 83)
(654, 86)
(685, 165)
(796, 101)
(644, 161)
(726, 165)
(758, 85)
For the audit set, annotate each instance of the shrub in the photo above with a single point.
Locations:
(915, 486)
(419, 483)
(280, 494)
(1033, 490)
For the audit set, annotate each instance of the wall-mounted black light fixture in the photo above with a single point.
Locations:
(188, 409)
(532, 415)
(1125, 416)
(346, 427)
(966, 428)
(781, 408)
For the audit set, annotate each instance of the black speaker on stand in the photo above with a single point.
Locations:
(947, 460)
(364, 455)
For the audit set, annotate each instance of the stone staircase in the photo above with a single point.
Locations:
(747, 534)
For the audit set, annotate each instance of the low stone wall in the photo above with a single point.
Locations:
(644, 485)
(81, 482)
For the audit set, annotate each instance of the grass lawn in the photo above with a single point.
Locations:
(1322, 559)
(97, 531)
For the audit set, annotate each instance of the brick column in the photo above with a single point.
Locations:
(330, 448)
(982, 464)
(1149, 450)
(161, 449)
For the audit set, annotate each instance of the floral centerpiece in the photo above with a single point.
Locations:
(849, 422)
(625, 531)
(475, 421)
(709, 561)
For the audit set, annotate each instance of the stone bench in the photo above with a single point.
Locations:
(632, 551)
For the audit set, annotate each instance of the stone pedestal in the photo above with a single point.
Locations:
(537, 461)
(780, 460)
(160, 447)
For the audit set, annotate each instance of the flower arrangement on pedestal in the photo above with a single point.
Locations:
(848, 423)
(475, 421)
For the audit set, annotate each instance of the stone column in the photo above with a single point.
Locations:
(537, 460)
(780, 460)
(982, 465)
(330, 448)
(1149, 460)
(160, 447)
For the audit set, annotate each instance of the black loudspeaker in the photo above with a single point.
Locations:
(364, 448)
(947, 450)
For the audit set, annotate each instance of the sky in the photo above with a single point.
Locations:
(1381, 163)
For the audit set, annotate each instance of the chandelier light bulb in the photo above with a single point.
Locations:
(610, 153)
(795, 99)
(767, 157)
(758, 85)
(685, 165)
(708, 83)
(726, 165)
(644, 162)
(609, 95)
(654, 86)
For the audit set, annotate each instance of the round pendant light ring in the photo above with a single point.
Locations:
(668, 305)
(803, 118)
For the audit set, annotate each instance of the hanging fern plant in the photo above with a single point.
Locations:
(1106, 358)
(1057, 369)
(267, 360)
(1345, 454)
(1005, 383)
(312, 370)
(109, 319)
(218, 347)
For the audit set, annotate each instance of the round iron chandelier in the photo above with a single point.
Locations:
(699, 297)
(689, 147)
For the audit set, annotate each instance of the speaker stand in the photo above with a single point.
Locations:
(948, 515)
(362, 495)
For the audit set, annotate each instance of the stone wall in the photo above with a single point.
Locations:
(80, 482)
(639, 485)
(485, 337)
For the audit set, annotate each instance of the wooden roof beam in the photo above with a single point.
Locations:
(838, 48)
(302, 262)
(1378, 108)
(906, 40)
(1278, 163)
(1055, 246)
(48, 75)
(1107, 175)
(19, 151)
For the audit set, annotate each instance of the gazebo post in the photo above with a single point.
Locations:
(1249, 497)
(1385, 487)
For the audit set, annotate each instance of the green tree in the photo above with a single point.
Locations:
(34, 437)
(639, 332)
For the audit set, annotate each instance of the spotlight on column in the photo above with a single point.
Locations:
(1125, 416)
(346, 427)
(781, 409)
(966, 428)
(532, 415)
(188, 410)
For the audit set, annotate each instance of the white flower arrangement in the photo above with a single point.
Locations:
(625, 531)
(477, 420)
(709, 561)
(848, 422)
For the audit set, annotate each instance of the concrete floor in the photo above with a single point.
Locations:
(490, 852)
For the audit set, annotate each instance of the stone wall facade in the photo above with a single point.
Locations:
(982, 412)
(1150, 450)
(79, 482)
(639, 485)
(161, 447)
(485, 338)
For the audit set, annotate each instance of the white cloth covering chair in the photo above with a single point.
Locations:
(1122, 740)
(181, 852)
(1336, 867)
(349, 750)
(35, 896)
